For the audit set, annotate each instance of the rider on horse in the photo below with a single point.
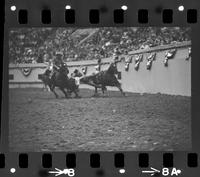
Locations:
(98, 66)
(49, 68)
(116, 55)
(58, 63)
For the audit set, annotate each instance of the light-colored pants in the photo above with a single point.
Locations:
(77, 81)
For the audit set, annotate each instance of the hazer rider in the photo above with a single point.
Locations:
(98, 66)
(116, 55)
(98, 72)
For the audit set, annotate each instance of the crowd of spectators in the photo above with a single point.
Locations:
(24, 44)
(37, 45)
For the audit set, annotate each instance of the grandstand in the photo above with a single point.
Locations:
(37, 45)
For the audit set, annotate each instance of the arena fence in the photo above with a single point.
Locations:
(163, 69)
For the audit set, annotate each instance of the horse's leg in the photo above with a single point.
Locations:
(52, 88)
(76, 93)
(103, 88)
(69, 92)
(95, 92)
(63, 90)
(120, 88)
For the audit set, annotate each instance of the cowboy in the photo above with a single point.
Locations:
(97, 70)
(57, 64)
(58, 61)
(49, 69)
(116, 54)
(116, 59)
(116, 51)
(114, 62)
(98, 66)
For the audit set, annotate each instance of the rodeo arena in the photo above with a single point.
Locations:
(100, 89)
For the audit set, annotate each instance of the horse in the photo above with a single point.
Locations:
(61, 80)
(103, 79)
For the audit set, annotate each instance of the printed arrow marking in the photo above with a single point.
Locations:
(152, 171)
(59, 172)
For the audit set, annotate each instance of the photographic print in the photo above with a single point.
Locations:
(100, 89)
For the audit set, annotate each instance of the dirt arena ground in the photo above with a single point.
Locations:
(39, 122)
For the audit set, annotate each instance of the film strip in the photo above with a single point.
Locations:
(143, 160)
(118, 15)
(68, 13)
(57, 54)
(119, 163)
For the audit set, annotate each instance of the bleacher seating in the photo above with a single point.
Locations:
(37, 45)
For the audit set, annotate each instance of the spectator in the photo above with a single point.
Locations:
(29, 45)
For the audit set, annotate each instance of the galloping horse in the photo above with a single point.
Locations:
(103, 79)
(60, 80)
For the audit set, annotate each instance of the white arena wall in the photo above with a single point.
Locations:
(175, 79)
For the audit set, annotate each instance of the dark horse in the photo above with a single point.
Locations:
(103, 79)
(60, 80)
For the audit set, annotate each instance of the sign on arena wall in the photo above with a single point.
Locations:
(26, 71)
